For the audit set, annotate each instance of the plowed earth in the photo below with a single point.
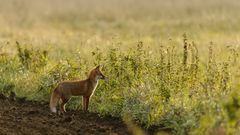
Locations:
(21, 117)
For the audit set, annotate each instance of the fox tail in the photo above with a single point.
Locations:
(55, 97)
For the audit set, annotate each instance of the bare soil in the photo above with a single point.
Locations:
(21, 117)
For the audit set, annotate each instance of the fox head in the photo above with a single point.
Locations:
(96, 74)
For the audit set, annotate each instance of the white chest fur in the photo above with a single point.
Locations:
(94, 87)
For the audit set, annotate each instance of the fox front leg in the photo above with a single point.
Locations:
(87, 102)
(83, 103)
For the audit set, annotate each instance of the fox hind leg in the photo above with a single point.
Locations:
(63, 104)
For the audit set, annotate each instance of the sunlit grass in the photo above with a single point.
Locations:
(157, 76)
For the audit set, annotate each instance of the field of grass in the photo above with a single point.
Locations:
(171, 64)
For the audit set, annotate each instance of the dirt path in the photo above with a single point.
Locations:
(21, 117)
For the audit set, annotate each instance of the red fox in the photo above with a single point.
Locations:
(66, 89)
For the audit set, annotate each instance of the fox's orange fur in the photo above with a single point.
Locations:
(66, 89)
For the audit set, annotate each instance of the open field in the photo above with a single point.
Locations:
(172, 65)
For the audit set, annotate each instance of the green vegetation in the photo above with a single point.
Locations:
(171, 64)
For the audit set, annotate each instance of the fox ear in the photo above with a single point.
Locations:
(98, 67)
